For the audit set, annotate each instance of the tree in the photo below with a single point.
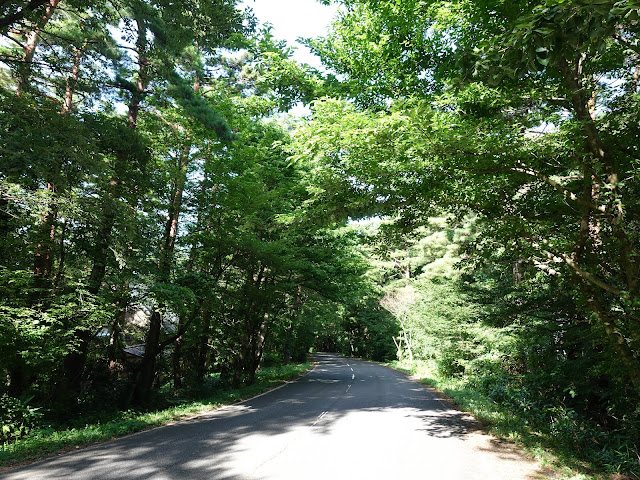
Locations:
(517, 125)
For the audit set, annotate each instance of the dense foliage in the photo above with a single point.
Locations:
(522, 115)
(153, 230)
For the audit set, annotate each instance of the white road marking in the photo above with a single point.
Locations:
(319, 418)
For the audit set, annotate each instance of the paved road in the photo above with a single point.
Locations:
(346, 419)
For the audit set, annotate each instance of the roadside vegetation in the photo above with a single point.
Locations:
(570, 446)
(528, 376)
(108, 423)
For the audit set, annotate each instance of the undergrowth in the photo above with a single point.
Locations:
(166, 407)
(571, 444)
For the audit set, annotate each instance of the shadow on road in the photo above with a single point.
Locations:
(337, 397)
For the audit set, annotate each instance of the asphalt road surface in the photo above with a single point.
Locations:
(346, 419)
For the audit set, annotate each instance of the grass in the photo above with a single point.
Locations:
(47, 441)
(502, 423)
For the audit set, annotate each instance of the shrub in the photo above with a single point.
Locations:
(17, 418)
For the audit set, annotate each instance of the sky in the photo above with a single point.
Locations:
(292, 19)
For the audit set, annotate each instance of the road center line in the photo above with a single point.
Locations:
(319, 418)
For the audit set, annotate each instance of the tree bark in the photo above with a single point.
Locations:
(43, 263)
(74, 363)
(144, 385)
(142, 80)
(145, 380)
(5, 221)
(203, 345)
(19, 381)
(62, 256)
(43, 260)
(518, 271)
(618, 341)
(72, 80)
(114, 335)
(113, 189)
(173, 214)
(245, 364)
(177, 357)
(29, 48)
(257, 348)
(287, 353)
(613, 214)
(584, 109)
(147, 372)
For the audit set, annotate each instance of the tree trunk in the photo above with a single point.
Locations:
(287, 353)
(29, 48)
(112, 191)
(518, 274)
(59, 275)
(74, 363)
(203, 347)
(177, 357)
(101, 248)
(144, 383)
(5, 218)
(252, 334)
(173, 214)
(114, 335)
(43, 261)
(18, 378)
(257, 349)
(122, 158)
(142, 80)
(147, 371)
(584, 109)
(407, 335)
(398, 343)
(72, 80)
(618, 341)
(627, 259)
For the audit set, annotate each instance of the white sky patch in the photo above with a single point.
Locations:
(292, 19)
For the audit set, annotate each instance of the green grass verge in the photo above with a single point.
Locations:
(45, 442)
(502, 423)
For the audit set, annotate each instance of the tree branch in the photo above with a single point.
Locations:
(627, 43)
(549, 181)
(582, 273)
(20, 14)
(558, 187)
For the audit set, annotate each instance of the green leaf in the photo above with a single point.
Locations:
(542, 61)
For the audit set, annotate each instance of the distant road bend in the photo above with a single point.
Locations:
(346, 419)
